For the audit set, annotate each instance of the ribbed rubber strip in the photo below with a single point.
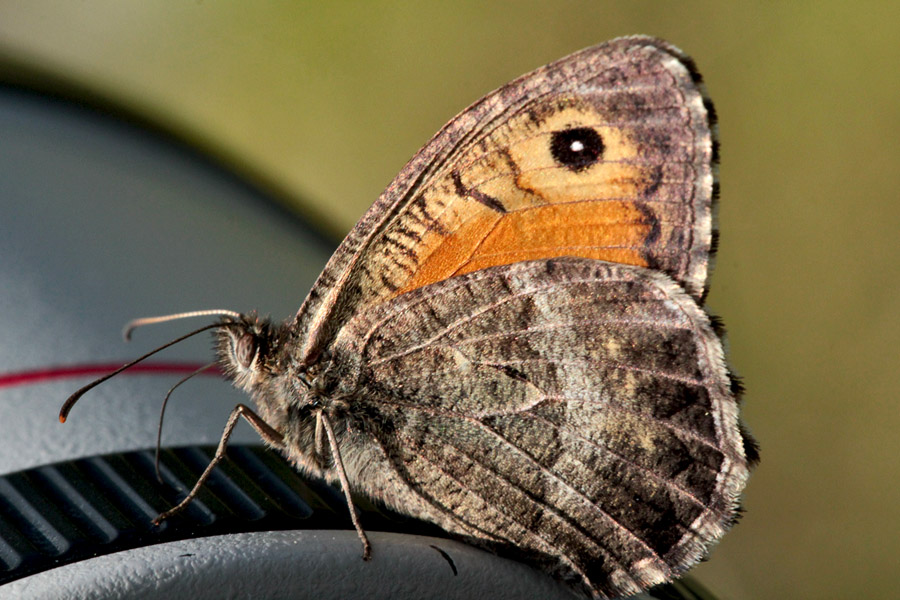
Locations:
(66, 512)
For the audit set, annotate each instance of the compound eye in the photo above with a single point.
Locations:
(245, 350)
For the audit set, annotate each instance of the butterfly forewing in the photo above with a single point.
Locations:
(605, 154)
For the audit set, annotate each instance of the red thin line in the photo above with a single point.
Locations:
(95, 370)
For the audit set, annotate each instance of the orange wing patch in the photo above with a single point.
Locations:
(612, 231)
(512, 201)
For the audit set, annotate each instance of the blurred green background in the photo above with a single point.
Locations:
(322, 103)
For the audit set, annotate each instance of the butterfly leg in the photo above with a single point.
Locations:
(345, 483)
(265, 431)
(320, 438)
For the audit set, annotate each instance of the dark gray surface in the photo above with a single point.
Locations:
(101, 224)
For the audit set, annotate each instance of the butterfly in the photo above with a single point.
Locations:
(511, 343)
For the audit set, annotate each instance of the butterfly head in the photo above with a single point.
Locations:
(253, 352)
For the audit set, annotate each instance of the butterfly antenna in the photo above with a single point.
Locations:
(70, 402)
(132, 325)
(162, 415)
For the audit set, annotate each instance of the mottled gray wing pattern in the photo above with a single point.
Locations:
(574, 410)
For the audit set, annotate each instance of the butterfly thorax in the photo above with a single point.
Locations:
(256, 355)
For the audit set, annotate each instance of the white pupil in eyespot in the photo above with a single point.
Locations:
(577, 146)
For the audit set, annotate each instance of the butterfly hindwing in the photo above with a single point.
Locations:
(572, 409)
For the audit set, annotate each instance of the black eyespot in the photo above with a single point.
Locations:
(576, 149)
(245, 350)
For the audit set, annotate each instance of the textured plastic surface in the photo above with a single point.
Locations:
(59, 514)
(82, 529)
(324, 565)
